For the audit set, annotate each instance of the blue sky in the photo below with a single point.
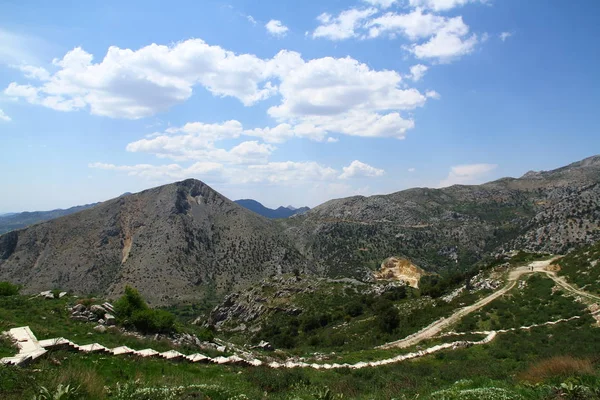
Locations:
(290, 102)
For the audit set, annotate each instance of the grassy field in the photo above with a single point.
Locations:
(501, 369)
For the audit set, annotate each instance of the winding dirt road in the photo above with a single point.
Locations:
(438, 326)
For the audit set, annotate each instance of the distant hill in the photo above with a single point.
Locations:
(281, 212)
(12, 221)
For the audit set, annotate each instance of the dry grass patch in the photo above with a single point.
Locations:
(560, 366)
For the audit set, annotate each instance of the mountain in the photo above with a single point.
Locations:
(175, 243)
(280, 212)
(11, 221)
(454, 227)
(184, 241)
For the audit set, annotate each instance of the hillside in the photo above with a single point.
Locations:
(12, 221)
(549, 211)
(184, 241)
(280, 212)
(175, 243)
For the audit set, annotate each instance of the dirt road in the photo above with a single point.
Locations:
(438, 326)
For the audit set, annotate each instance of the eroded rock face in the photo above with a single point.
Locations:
(400, 269)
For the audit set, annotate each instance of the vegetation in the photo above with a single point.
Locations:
(8, 289)
(581, 267)
(535, 303)
(132, 311)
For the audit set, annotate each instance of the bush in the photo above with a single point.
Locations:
(387, 317)
(130, 303)
(8, 289)
(354, 309)
(153, 321)
(132, 311)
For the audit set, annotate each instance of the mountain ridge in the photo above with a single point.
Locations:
(184, 241)
(280, 212)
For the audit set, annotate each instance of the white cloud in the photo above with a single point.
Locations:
(360, 169)
(4, 117)
(417, 72)
(343, 26)
(251, 19)
(138, 83)
(432, 94)
(414, 25)
(276, 28)
(332, 140)
(505, 35)
(467, 174)
(381, 3)
(411, 170)
(448, 43)
(441, 5)
(288, 172)
(342, 95)
(33, 72)
(318, 96)
(160, 172)
(196, 141)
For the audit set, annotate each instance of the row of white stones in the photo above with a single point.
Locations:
(30, 349)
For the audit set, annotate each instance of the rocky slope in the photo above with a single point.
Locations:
(181, 241)
(551, 211)
(174, 243)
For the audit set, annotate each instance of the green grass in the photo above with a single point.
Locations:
(534, 304)
(50, 319)
(579, 269)
(493, 365)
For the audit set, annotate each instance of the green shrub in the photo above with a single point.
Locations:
(130, 303)
(153, 321)
(132, 311)
(8, 289)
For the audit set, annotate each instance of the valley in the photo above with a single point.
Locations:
(443, 292)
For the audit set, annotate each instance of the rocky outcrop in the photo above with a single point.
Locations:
(400, 269)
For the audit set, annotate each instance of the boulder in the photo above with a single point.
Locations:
(98, 310)
(109, 319)
(100, 328)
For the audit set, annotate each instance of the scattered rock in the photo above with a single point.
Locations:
(100, 328)
(109, 319)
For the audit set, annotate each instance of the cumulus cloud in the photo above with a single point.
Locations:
(505, 35)
(138, 83)
(345, 96)
(343, 26)
(467, 174)
(360, 169)
(318, 96)
(414, 25)
(4, 117)
(196, 141)
(33, 72)
(417, 72)
(441, 5)
(432, 94)
(276, 28)
(411, 170)
(450, 42)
